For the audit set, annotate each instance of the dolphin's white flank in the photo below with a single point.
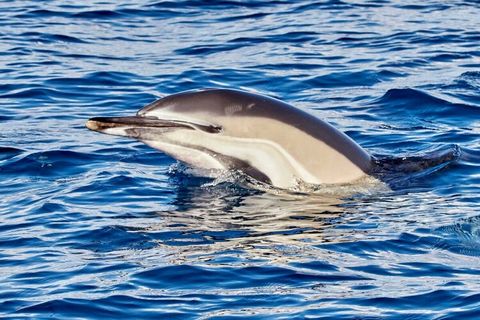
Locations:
(228, 129)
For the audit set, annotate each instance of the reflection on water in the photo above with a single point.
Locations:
(262, 225)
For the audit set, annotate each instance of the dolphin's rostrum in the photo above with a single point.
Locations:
(229, 129)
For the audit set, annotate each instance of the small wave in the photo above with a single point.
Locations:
(98, 78)
(51, 38)
(470, 78)
(408, 95)
(107, 239)
(39, 93)
(48, 163)
(220, 5)
(411, 105)
(83, 56)
(330, 4)
(461, 238)
(186, 276)
(291, 38)
(9, 152)
(351, 79)
(444, 57)
(98, 14)
(465, 87)
(207, 49)
(37, 13)
(257, 15)
(431, 7)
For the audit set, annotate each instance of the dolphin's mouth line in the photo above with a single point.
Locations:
(102, 123)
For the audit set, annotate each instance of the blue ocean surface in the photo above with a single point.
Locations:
(99, 227)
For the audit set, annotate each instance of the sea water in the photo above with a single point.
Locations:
(95, 226)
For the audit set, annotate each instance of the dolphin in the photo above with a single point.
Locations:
(260, 136)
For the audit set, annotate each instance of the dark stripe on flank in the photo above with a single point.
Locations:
(237, 164)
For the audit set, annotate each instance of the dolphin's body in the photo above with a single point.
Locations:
(265, 138)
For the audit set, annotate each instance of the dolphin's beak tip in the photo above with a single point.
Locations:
(92, 125)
